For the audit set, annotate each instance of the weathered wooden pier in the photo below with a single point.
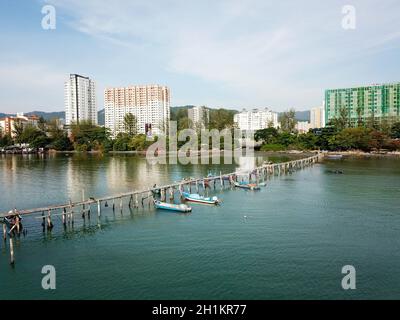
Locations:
(143, 198)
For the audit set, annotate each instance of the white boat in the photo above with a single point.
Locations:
(194, 197)
(172, 206)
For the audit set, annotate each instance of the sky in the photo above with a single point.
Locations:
(221, 53)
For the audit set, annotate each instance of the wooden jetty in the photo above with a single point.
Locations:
(138, 197)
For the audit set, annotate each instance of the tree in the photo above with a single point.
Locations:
(377, 140)
(18, 129)
(42, 124)
(130, 124)
(5, 140)
(395, 131)
(351, 138)
(342, 121)
(122, 141)
(33, 136)
(267, 135)
(62, 143)
(288, 121)
(359, 117)
(87, 136)
(184, 123)
(221, 119)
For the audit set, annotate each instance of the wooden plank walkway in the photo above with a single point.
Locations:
(266, 169)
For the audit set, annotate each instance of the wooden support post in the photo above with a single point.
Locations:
(49, 223)
(71, 215)
(98, 208)
(43, 221)
(220, 180)
(83, 205)
(64, 218)
(17, 224)
(136, 201)
(12, 260)
(197, 186)
(120, 203)
(113, 204)
(148, 197)
(130, 201)
(4, 232)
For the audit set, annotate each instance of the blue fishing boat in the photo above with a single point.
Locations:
(194, 197)
(172, 206)
(247, 186)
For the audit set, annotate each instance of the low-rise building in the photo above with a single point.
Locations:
(7, 124)
(303, 126)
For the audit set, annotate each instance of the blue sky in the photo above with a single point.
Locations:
(222, 53)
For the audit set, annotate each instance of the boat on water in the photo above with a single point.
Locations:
(247, 186)
(194, 197)
(172, 206)
(334, 156)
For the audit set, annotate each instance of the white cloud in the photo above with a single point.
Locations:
(257, 52)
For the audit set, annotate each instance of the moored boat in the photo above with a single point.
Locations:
(247, 186)
(194, 197)
(334, 156)
(172, 207)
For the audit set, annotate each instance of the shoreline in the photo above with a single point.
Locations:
(357, 153)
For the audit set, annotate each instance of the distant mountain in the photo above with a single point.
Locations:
(175, 112)
(101, 120)
(45, 115)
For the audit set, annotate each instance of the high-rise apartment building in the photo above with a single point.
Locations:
(80, 99)
(199, 116)
(150, 104)
(256, 119)
(317, 117)
(375, 102)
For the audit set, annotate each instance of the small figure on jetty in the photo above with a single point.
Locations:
(13, 221)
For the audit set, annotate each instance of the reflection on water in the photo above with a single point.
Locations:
(298, 232)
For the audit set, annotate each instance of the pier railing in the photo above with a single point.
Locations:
(266, 169)
(137, 198)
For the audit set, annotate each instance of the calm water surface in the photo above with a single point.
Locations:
(288, 241)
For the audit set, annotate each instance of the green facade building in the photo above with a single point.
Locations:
(363, 104)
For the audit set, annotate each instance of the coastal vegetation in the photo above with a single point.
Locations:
(339, 135)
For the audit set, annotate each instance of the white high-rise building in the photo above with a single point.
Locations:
(317, 117)
(199, 116)
(256, 119)
(150, 104)
(80, 99)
